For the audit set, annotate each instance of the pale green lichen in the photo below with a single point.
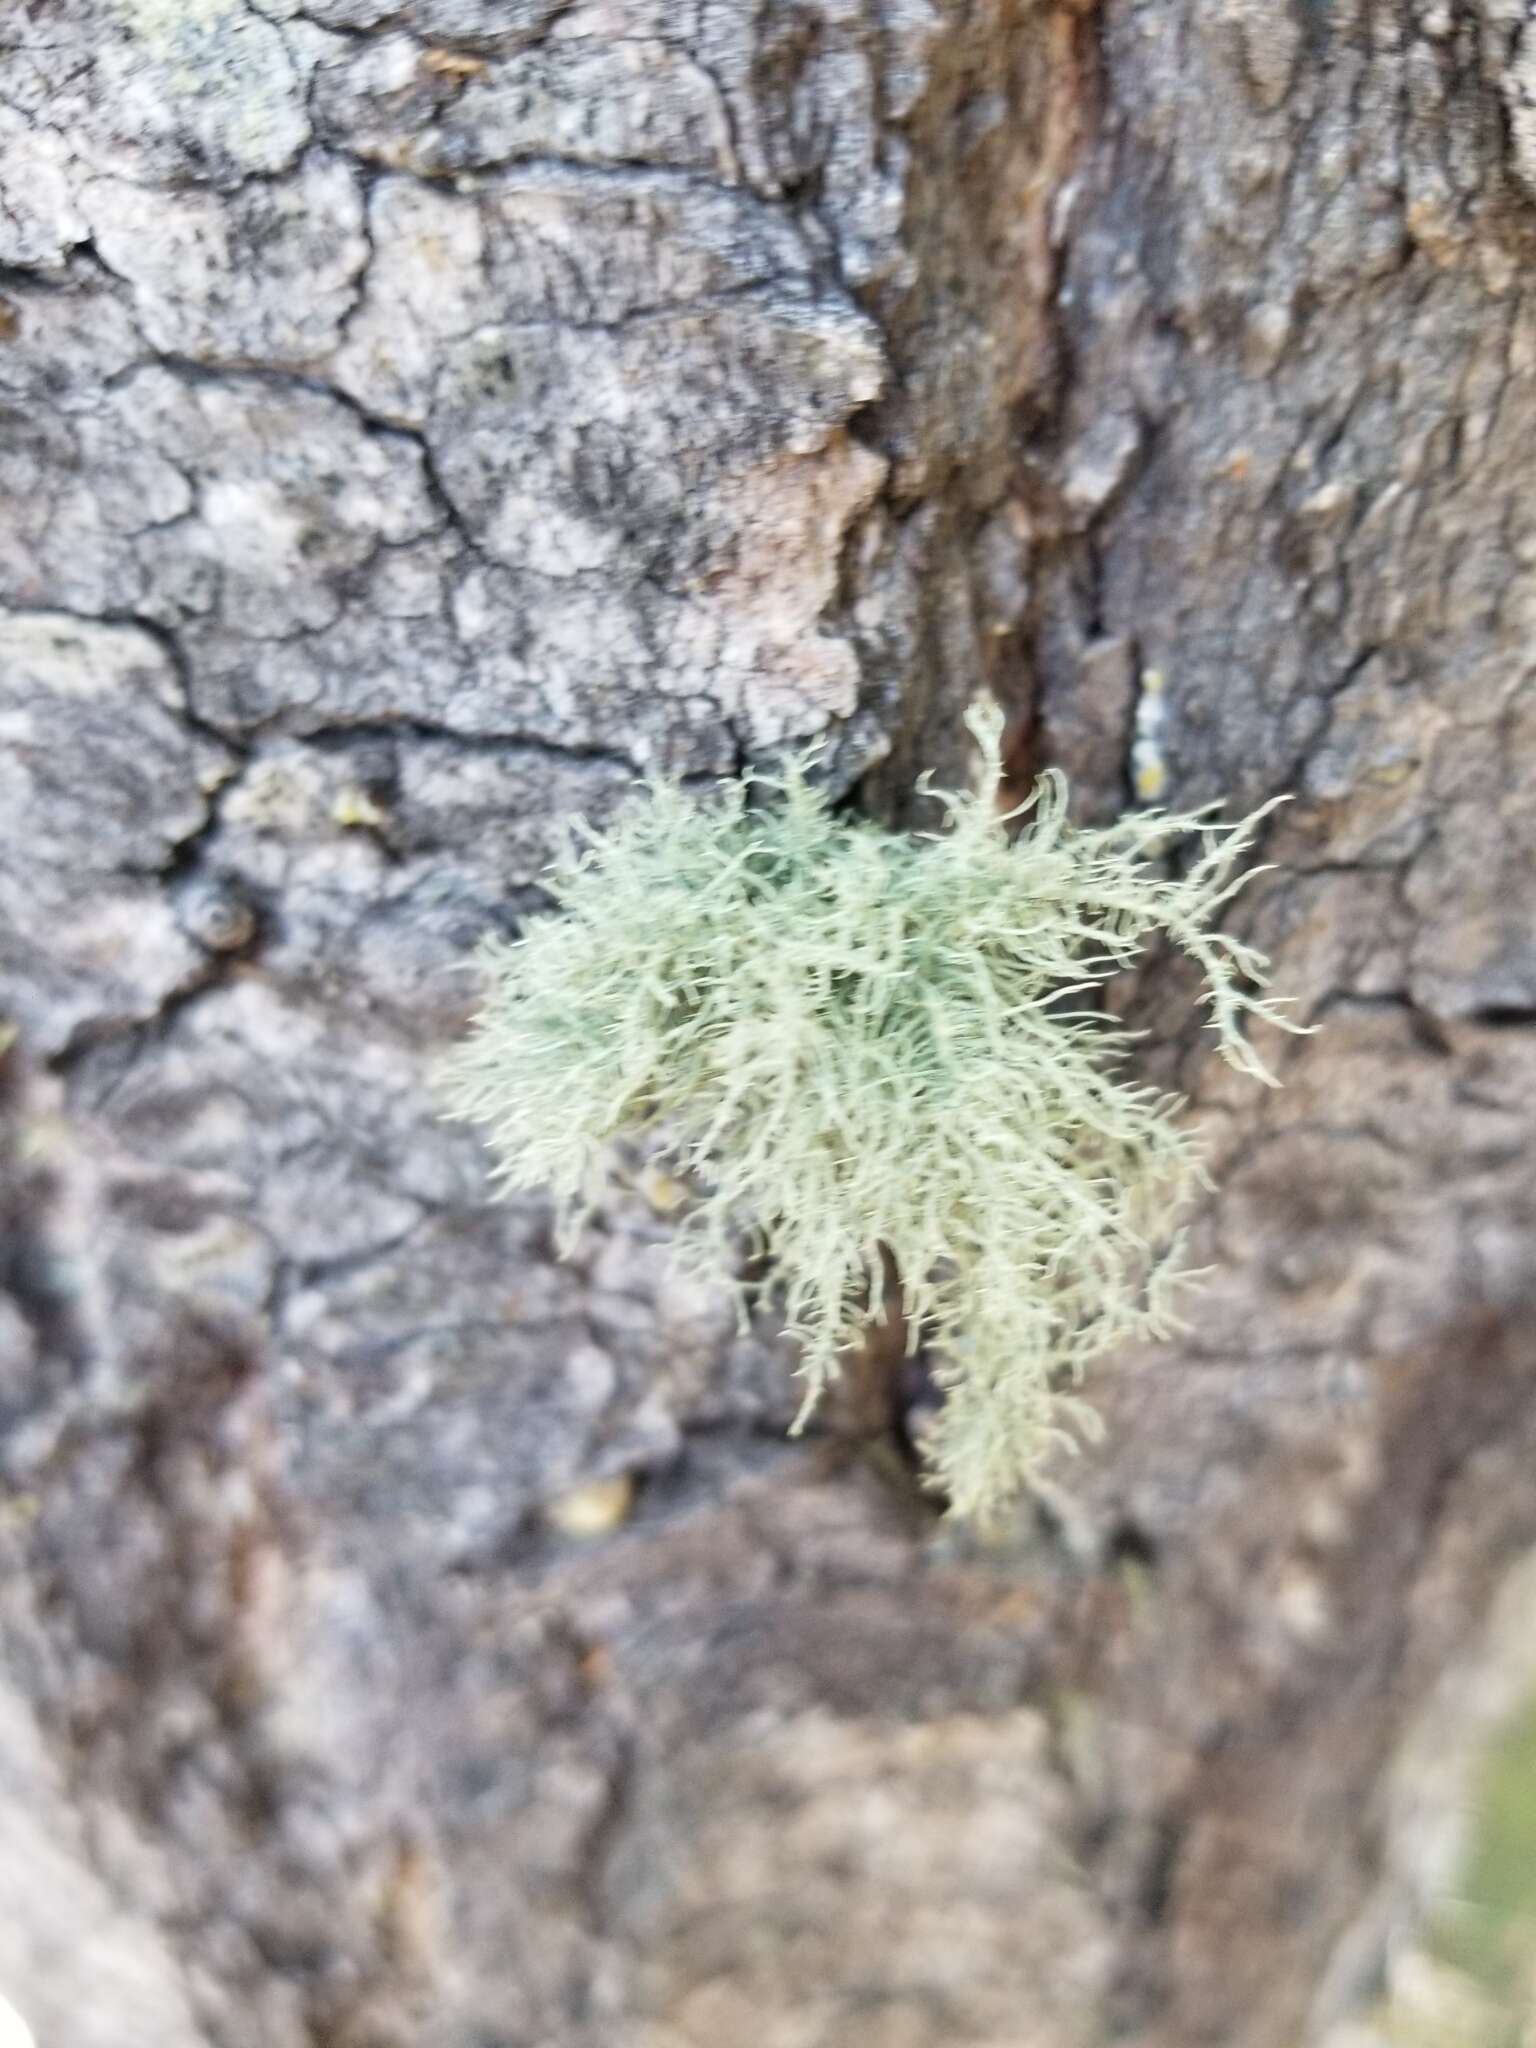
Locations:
(854, 1039)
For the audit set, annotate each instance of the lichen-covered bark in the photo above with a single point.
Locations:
(419, 415)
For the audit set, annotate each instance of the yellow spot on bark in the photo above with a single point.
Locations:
(593, 1509)
(663, 1191)
(357, 807)
(452, 64)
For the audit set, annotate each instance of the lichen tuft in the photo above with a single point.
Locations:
(856, 1040)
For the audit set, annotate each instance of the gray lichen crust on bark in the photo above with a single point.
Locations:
(415, 417)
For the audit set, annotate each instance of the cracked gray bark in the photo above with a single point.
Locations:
(415, 417)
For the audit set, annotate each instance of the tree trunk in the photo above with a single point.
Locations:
(419, 416)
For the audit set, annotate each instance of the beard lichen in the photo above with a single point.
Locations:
(856, 1040)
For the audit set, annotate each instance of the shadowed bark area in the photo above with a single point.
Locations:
(416, 416)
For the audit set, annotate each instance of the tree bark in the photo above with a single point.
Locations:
(418, 417)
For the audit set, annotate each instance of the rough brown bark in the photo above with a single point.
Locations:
(418, 414)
